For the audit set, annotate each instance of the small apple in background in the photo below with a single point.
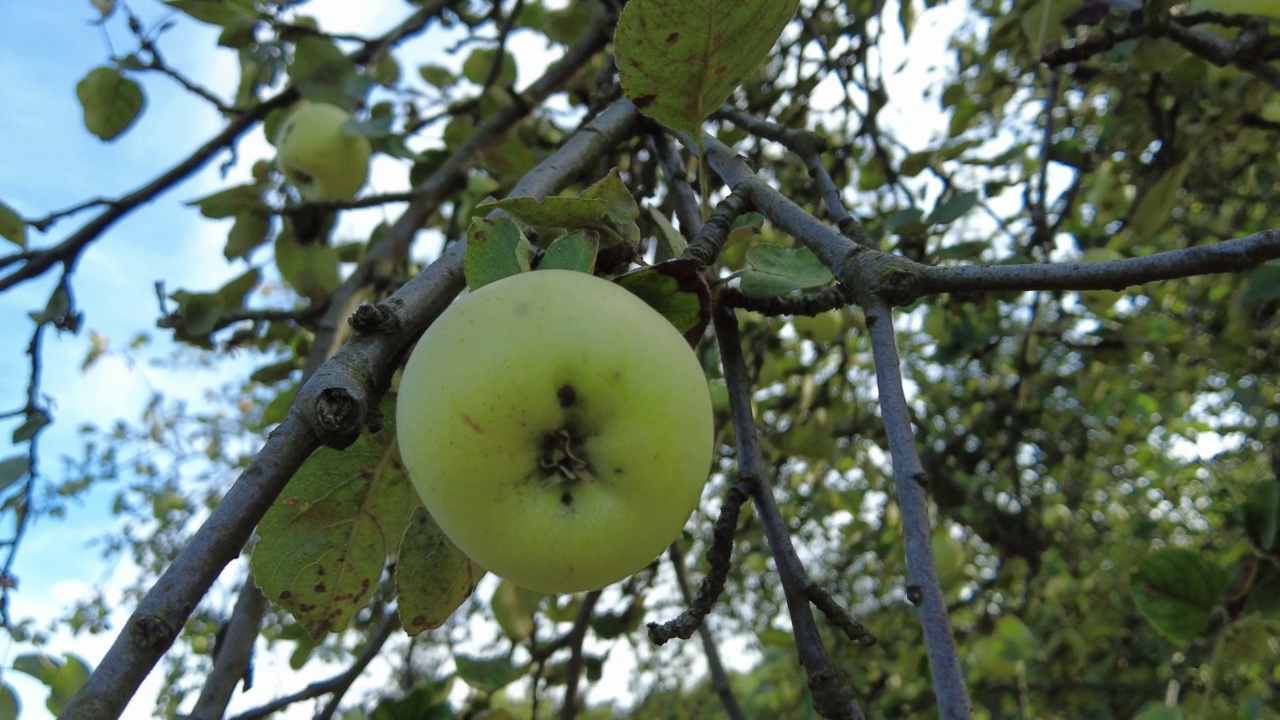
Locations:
(318, 157)
(557, 428)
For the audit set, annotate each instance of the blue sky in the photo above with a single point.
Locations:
(48, 161)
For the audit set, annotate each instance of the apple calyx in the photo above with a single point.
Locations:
(561, 456)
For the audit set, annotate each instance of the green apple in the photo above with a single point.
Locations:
(318, 157)
(557, 428)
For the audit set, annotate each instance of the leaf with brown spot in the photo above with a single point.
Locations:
(323, 548)
(679, 61)
(433, 577)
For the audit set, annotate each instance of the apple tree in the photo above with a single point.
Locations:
(985, 295)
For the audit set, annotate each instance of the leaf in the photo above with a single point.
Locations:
(321, 72)
(621, 208)
(13, 469)
(214, 12)
(670, 241)
(424, 702)
(9, 705)
(776, 270)
(433, 577)
(495, 249)
(437, 75)
(555, 211)
(1152, 210)
(679, 61)
(235, 291)
(199, 311)
(12, 227)
(310, 269)
(574, 251)
(1158, 711)
(488, 675)
(953, 208)
(35, 420)
(1042, 22)
(325, 541)
(513, 608)
(111, 102)
(63, 676)
(479, 64)
(231, 202)
(249, 231)
(677, 290)
(1262, 285)
(1262, 513)
(1176, 591)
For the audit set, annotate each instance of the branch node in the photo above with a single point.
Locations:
(374, 320)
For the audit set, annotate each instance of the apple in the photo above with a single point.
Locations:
(318, 157)
(558, 429)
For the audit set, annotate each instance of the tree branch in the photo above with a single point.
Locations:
(345, 381)
(832, 695)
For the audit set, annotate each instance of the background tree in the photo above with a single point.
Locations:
(961, 375)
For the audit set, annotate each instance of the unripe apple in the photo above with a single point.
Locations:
(318, 157)
(557, 428)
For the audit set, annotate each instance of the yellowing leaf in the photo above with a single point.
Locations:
(326, 540)
(680, 59)
(433, 577)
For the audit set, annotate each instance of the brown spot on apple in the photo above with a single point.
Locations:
(471, 423)
(673, 38)
(566, 499)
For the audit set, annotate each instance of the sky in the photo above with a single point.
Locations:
(48, 161)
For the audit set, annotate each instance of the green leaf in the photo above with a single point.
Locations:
(621, 208)
(776, 270)
(231, 202)
(12, 227)
(199, 311)
(513, 608)
(575, 251)
(9, 705)
(1262, 285)
(679, 61)
(235, 291)
(1158, 711)
(1153, 209)
(35, 420)
(63, 676)
(215, 12)
(1176, 591)
(488, 675)
(325, 541)
(677, 290)
(495, 249)
(555, 211)
(1262, 513)
(250, 230)
(311, 269)
(953, 208)
(111, 102)
(425, 702)
(433, 577)
(479, 64)
(670, 241)
(13, 469)
(437, 75)
(322, 72)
